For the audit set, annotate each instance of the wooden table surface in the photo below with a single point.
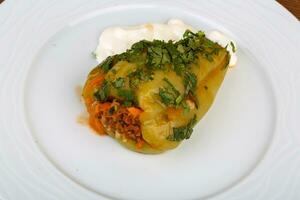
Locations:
(292, 5)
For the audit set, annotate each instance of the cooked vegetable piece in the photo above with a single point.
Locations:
(150, 97)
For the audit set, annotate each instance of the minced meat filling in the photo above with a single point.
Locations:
(122, 121)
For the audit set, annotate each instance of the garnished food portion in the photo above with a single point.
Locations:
(150, 97)
(116, 40)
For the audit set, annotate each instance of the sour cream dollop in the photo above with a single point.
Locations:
(115, 40)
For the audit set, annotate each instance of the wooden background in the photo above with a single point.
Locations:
(292, 5)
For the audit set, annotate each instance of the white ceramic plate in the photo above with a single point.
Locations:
(246, 147)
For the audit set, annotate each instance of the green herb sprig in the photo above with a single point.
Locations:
(160, 55)
(183, 132)
(102, 93)
(169, 95)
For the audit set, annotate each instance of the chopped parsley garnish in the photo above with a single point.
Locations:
(149, 56)
(126, 94)
(190, 82)
(169, 95)
(127, 103)
(182, 132)
(107, 63)
(119, 82)
(186, 108)
(102, 93)
(159, 54)
(232, 47)
(139, 76)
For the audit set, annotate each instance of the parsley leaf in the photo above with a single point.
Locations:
(102, 94)
(158, 55)
(138, 76)
(232, 47)
(174, 90)
(127, 103)
(190, 81)
(169, 95)
(186, 108)
(107, 64)
(183, 132)
(126, 94)
(179, 66)
(119, 82)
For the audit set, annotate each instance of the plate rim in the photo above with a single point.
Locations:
(282, 10)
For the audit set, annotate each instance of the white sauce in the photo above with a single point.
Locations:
(115, 40)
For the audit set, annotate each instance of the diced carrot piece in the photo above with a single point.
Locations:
(102, 107)
(135, 112)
